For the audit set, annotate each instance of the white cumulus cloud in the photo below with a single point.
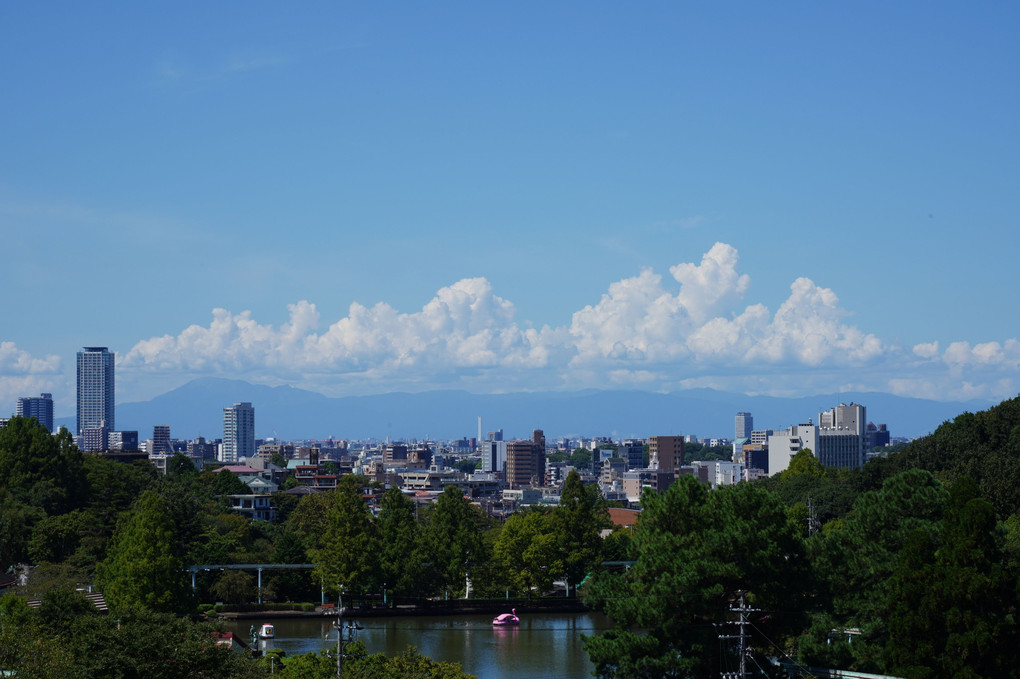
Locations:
(22, 374)
(464, 326)
(644, 332)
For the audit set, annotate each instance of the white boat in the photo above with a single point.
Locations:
(267, 631)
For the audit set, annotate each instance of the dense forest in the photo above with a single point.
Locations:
(907, 566)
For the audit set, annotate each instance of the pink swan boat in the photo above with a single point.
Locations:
(504, 619)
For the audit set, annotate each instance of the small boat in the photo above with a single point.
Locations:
(506, 619)
(266, 631)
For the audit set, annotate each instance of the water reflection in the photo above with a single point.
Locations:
(541, 646)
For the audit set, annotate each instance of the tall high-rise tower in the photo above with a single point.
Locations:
(95, 389)
(41, 408)
(743, 424)
(238, 432)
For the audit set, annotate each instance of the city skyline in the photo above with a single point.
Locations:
(783, 200)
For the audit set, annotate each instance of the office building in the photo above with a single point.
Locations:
(743, 426)
(838, 440)
(161, 440)
(633, 451)
(41, 408)
(95, 390)
(122, 440)
(525, 461)
(877, 436)
(494, 455)
(238, 432)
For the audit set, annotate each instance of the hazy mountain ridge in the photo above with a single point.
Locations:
(196, 409)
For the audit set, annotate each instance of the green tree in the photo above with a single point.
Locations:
(309, 520)
(348, 557)
(578, 522)
(951, 602)
(453, 539)
(401, 561)
(227, 483)
(41, 469)
(56, 537)
(62, 605)
(290, 585)
(408, 665)
(695, 549)
(234, 587)
(180, 465)
(154, 645)
(143, 566)
(855, 561)
(804, 463)
(30, 650)
(17, 520)
(581, 458)
(528, 550)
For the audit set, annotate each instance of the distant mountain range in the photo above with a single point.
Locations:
(196, 409)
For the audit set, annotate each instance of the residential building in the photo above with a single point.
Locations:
(94, 439)
(238, 432)
(666, 453)
(525, 461)
(254, 507)
(41, 408)
(95, 392)
(636, 480)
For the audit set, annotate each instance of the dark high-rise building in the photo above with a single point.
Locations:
(633, 451)
(95, 389)
(666, 453)
(41, 408)
(743, 426)
(525, 461)
(161, 439)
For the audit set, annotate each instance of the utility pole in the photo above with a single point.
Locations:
(346, 633)
(743, 636)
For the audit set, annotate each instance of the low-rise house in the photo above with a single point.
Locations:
(253, 507)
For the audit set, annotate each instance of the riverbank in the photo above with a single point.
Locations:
(425, 608)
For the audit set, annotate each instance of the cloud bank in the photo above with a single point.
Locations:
(22, 374)
(648, 332)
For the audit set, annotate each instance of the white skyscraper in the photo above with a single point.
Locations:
(238, 432)
(95, 389)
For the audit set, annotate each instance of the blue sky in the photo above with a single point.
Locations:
(784, 198)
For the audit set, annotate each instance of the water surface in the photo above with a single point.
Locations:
(543, 646)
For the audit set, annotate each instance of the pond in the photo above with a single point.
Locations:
(544, 645)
